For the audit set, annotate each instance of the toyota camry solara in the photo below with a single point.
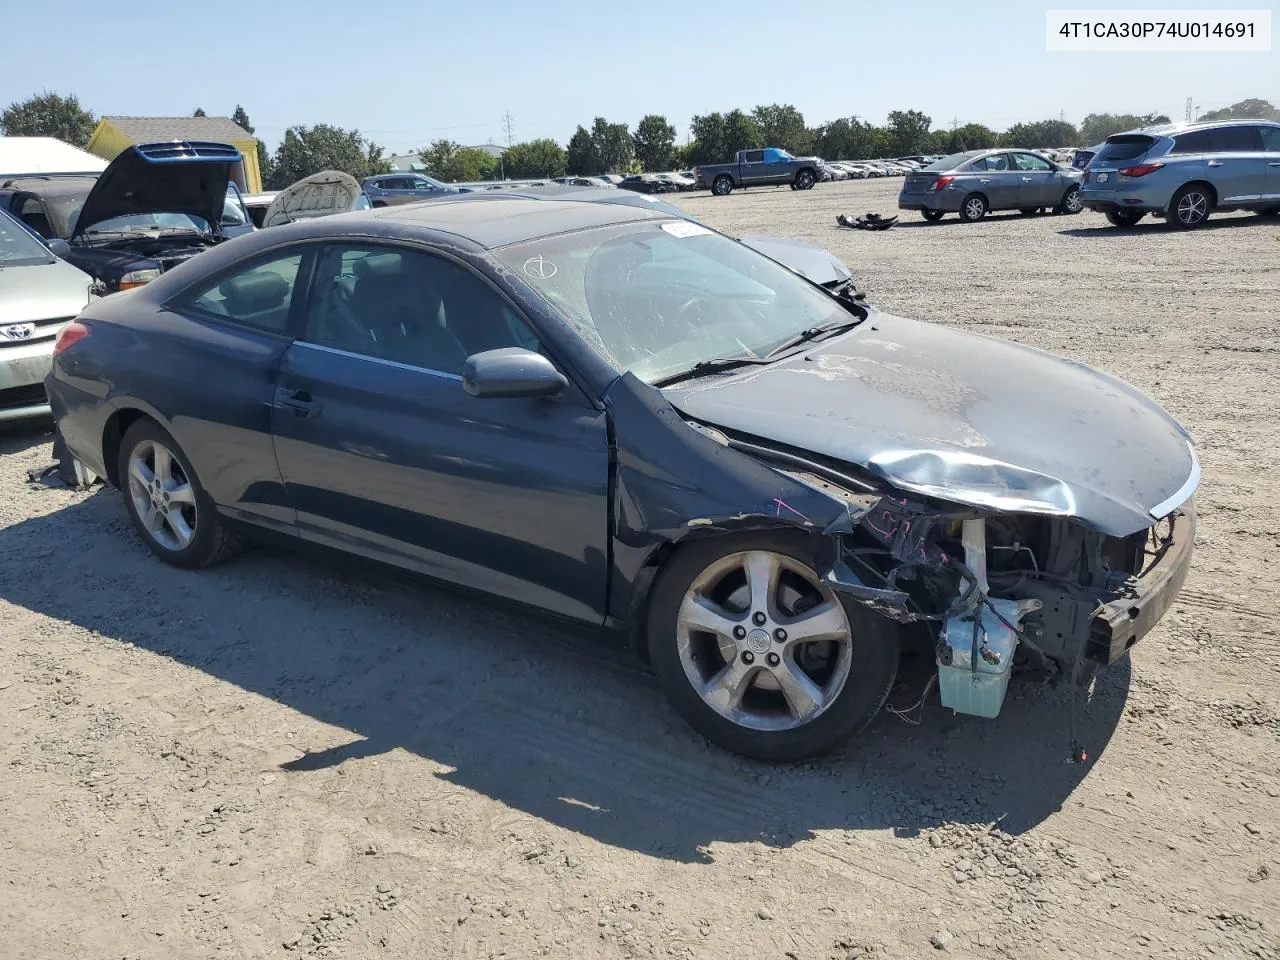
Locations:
(629, 420)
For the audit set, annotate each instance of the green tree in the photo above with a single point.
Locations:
(654, 142)
(537, 158)
(612, 145)
(580, 156)
(1044, 133)
(1251, 109)
(782, 125)
(907, 132)
(455, 163)
(741, 132)
(1096, 127)
(49, 115)
(308, 150)
(708, 139)
(199, 112)
(972, 136)
(847, 139)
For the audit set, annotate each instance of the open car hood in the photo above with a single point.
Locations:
(180, 176)
(319, 195)
(966, 419)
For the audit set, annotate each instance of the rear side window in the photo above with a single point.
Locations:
(258, 297)
(1270, 139)
(1197, 141)
(1235, 139)
(753, 156)
(997, 161)
(1125, 146)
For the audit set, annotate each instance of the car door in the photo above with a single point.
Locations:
(1037, 181)
(993, 176)
(1235, 164)
(753, 169)
(1271, 151)
(213, 378)
(385, 455)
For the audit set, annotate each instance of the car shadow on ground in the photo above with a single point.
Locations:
(21, 436)
(952, 220)
(564, 727)
(1152, 225)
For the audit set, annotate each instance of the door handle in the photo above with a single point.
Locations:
(299, 401)
(1273, 163)
(1026, 180)
(1214, 163)
(984, 179)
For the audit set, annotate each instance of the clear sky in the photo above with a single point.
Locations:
(406, 72)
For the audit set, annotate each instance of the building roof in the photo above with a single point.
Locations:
(148, 129)
(45, 155)
(492, 149)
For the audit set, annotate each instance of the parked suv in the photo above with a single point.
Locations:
(1185, 171)
(395, 188)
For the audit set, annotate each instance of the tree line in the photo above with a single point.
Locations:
(612, 147)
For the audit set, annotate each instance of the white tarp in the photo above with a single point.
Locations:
(45, 155)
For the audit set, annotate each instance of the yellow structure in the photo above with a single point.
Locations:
(114, 134)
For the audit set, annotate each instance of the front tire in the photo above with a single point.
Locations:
(173, 514)
(1190, 207)
(805, 180)
(973, 208)
(933, 216)
(760, 657)
(1124, 218)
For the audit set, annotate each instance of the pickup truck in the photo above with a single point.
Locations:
(758, 168)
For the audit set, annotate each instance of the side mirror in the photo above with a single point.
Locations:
(511, 372)
(59, 248)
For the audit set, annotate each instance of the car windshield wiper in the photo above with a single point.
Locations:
(813, 333)
(703, 367)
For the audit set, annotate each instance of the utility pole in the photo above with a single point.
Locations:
(955, 122)
(506, 123)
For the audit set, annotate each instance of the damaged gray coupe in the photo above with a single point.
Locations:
(628, 420)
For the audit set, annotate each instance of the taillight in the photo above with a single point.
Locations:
(1141, 170)
(941, 182)
(72, 333)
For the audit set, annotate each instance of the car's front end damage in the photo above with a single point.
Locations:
(992, 585)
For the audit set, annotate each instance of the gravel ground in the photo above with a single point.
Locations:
(279, 757)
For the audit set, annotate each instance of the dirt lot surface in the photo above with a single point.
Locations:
(276, 758)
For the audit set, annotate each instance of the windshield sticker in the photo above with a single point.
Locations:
(682, 228)
(539, 268)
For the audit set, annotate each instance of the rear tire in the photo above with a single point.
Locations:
(1124, 218)
(973, 208)
(171, 511)
(1070, 203)
(722, 186)
(1190, 207)
(852, 682)
(933, 216)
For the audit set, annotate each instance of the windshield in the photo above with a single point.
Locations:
(18, 247)
(67, 209)
(656, 298)
(1128, 146)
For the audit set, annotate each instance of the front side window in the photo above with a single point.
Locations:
(1030, 162)
(656, 298)
(1270, 139)
(408, 306)
(258, 297)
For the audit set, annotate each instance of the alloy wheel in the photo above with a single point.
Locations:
(1073, 202)
(763, 641)
(162, 495)
(1192, 208)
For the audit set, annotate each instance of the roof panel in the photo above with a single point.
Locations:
(143, 129)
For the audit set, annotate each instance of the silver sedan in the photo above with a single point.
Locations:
(973, 184)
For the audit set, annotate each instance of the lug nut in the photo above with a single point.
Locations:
(758, 618)
(748, 656)
(780, 635)
(739, 632)
(773, 659)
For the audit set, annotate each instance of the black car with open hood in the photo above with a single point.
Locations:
(156, 205)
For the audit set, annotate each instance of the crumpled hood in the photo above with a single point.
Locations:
(42, 291)
(181, 177)
(965, 418)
